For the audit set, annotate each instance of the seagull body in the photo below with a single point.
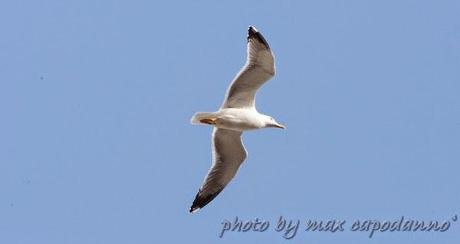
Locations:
(237, 114)
(238, 119)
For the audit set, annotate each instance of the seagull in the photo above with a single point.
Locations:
(237, 114)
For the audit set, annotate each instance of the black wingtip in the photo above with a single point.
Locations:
(193, 209)
(201, 201)
(253, 33)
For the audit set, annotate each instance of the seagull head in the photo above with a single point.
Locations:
(271, 122)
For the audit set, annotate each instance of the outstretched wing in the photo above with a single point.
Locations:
(259, 68)
(228, 154)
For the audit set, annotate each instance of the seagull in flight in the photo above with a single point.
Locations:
(237, 114)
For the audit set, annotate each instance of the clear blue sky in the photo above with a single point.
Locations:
(96, 97)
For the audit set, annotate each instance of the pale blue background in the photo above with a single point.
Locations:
(96, 97)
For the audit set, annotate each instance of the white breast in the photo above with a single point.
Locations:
(239, 119)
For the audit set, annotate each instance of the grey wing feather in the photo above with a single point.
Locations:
(259, 68)
(228, 155)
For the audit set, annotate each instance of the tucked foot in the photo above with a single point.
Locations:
(209, 121)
